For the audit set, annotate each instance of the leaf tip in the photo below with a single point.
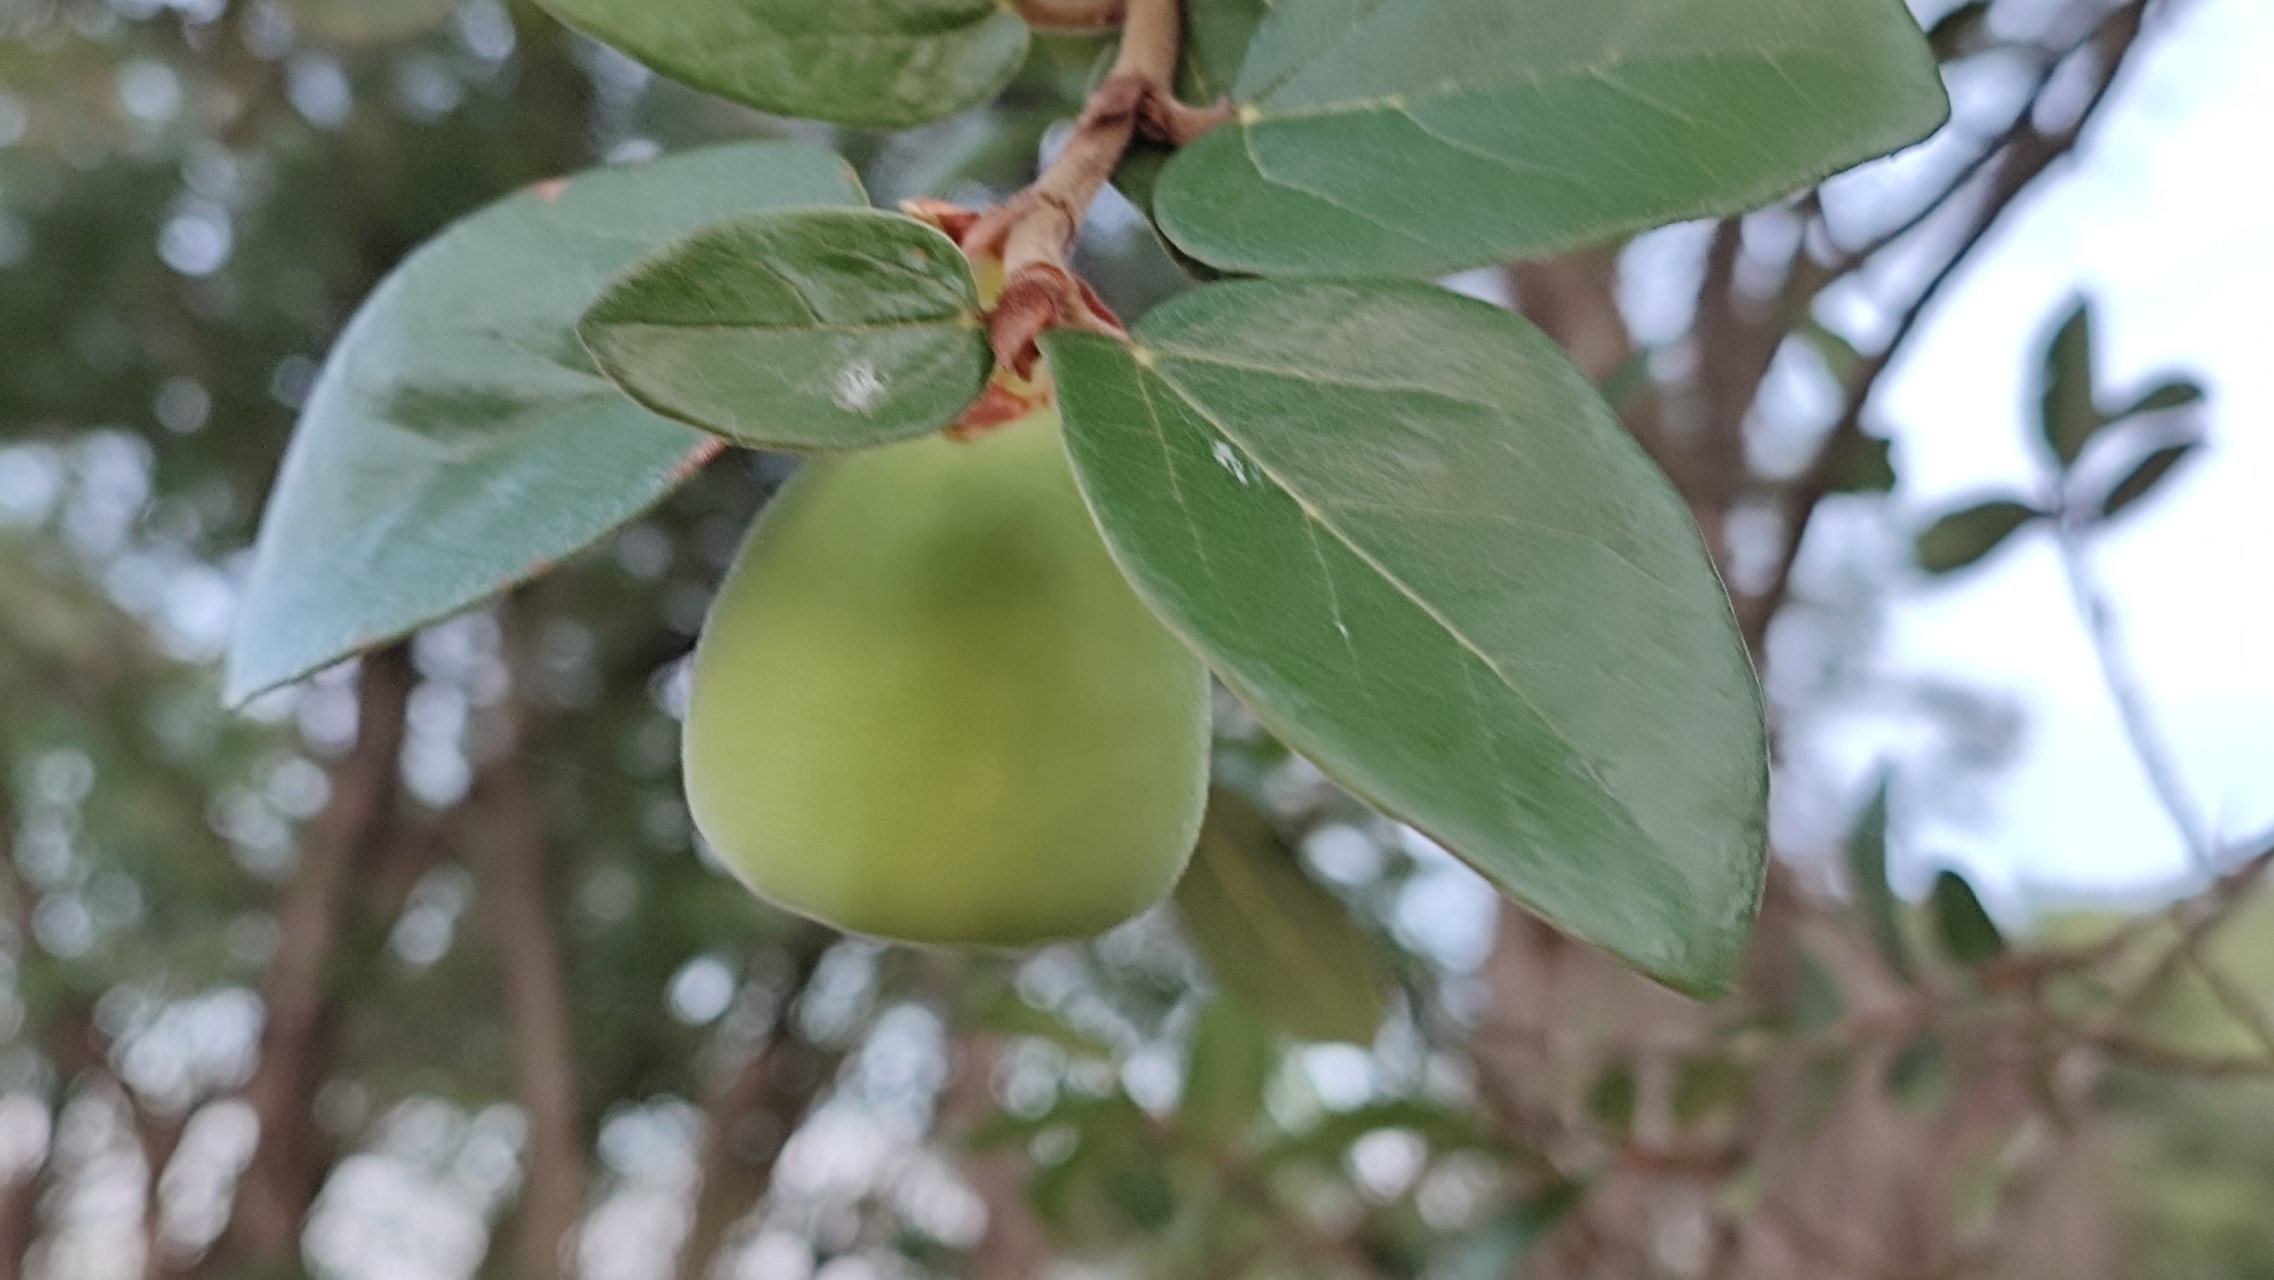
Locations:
(245, 677)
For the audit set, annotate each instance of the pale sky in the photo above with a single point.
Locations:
(2165, 217)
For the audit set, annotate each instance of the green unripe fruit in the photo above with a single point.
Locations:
(928, 707)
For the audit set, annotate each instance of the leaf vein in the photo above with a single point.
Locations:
(1405, 589)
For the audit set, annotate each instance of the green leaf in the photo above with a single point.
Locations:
(803, 329)
(1230, 1061)
(2067, 414)
(2178, 393)
(1817, 1003)
(1963, 537)
(1272, 936)
(2145, 477)
(1707, 1086)
(369, 21)
(1630, 379)
(1217, 34)
(1410, 534)
(1007, 1012)
(884, 64)
(1444, 1129)
(1962, 31)
(1493, 1250)
(1968, 934)
(1115, 1177)
(1611, 1100)
(1840, 357)
(1422, 136)
(459, 440)
(1870, 467)
(1867, 880)
(1919, 1077)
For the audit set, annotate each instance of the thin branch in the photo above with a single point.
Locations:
(20, 1195)
(2240, 1005)
(1034, 230)
(2200, 914)
(279, 1185)
(12, 883)
(70, 1043)
(1016, 1244)
(2198, 918)
(1850, 259)
(776, 1087)
(536, 996)
(1734, 351)
(19, 1219)
(2161, 1057)
(2124, 688)
(161, 1137)
(2020, 158)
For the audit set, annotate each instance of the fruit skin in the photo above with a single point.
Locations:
(928, 707)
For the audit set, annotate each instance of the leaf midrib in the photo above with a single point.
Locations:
(1496, 517)
(1459, 637)
(1400, 101)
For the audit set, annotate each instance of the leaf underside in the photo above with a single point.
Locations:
(1965, 537)
(1423, 136)
(801, 329)
(884, 64)
(1874, 896)
(459, 440)
(1413, 538)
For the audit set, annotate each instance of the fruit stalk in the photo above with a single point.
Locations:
(1034, 230)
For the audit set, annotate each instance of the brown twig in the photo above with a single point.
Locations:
(2240, 1005)
(1034, 230)
(2162, 1057)
(160, 1137)
(280, 1184)
(19, 1218)
(775, 1087)
(2098, 618)
(2198, 918)
(536, 996)
(1016, 1244)
(2007, 168)
(74, 1047)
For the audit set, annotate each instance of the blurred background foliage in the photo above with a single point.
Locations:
(417, 970)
